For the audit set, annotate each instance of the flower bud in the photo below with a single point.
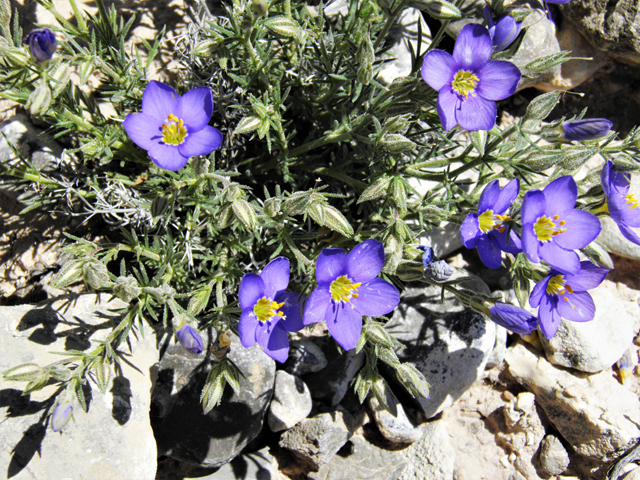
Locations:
(42, 43)
(587, 129)
(514, 319)
(96, 275)
(61, 416)
(259, 7)
(190, 339)
(272, 206)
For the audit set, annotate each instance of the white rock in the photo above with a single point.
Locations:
(291, 402)
(595, 415)
(394, 424)
(554, 459)
(433, 457)
(500, 348)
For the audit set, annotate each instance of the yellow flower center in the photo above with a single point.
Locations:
(464, 83)
(265, 309)
(173, 130)
(557, 286)
(631, 200)
(488, 221)
(342, 288)
(545, 227)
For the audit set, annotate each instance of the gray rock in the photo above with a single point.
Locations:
(394, 424)
(433, 457)
(448, 343)
(291, 402)
(362, 461)
(316, 440)
(331, 384)
(596, 345)
(114, 439)
(596, 415)
(611, 238)
(183, 431)
(554, 459)
(609, 26)
(304, 357)
(499, 349)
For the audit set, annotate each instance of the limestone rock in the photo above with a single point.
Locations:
(291, 402)
(596, 415)
(611, 238)
(554, 459)
(331, 384)
(499, 349)
(433, 457)
(114, 439)
(394, 424)
(183, 431)
(362, 461)
(448, 343)
(316, 440)
(596, 345)
(304, 357)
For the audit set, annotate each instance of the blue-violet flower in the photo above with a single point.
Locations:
(268, 312)
(552, 227)
(348, 288)
(513, 318)
(503, 32)
(562, 295)
(587, 129)
(190, 339)
(468, 83)
(622, 205)
(173, 128)
(61, 416)
(486, 230)
(42, 44)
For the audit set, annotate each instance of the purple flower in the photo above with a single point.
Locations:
(190, 339)
(552, 228)
(587, 129)
(486, 230)
(173, 128)
(42, 44)
(61, 416)
(348, 288)
(557, 2)
(622, 205)
(268, 312)
(468, 84)
(565, 296)
(513, 318)
(503, 32)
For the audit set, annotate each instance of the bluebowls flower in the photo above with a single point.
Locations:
(42, 44)
(172, 128)
(486, 230)
(565, 296)
(552, 228)
(190, 339)
(348, 288)
(468, 83)
(622, 205)
(268, 311)
(513, 318)
(586, 129)
(504, 31)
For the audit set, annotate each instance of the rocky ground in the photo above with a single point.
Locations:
(501, 406)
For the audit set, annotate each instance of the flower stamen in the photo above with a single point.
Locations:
(173, 130)
(487, 221)
(343, 289)
(545, 228)
(464, 83)
(265, 309)
(631, 200)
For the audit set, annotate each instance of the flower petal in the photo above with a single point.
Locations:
(275, 277)
(489, 197)
(565, 261)
(621, 212)
(507, 195)
(377, 297)
(473, 47)
(438, 69)
(513, 318)
(476, 113)
(505, 32)
(530, 243)
(274, 340)
(247, 327)
(533, 206)
(317, 304)
(365, 261)
(582, 228)
(330, 265)
(629, 234)
(447, 105)
(489, 253)
(507, 241)
(560, 196)
(201, 142)
(159, 100)
(142, 129)
(539, 292)
(251, 290)
(195, 108)
(167, 156)
(548, 318)
(578, 308)
(470, 231)
(345, 324)
(498, 80)
(589, 276)
(292, 309)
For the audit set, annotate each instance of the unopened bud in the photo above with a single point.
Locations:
(272, 206)
(126, 288)
(42, 44)
(96, 275)
(61, 416)
(190, 339)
